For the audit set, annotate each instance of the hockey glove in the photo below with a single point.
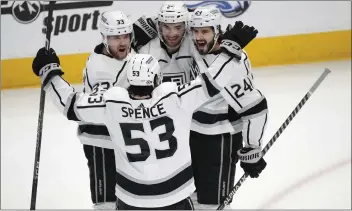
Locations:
(251, 161)
(46, 65)
(144, 31)
(229, 27)
(236, 38)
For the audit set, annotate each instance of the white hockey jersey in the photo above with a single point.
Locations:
(247, 112)
(100, 73)
(150, 137)
(175, 67)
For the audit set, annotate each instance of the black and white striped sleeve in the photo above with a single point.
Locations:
(252, 126)
(248, 103)
(76, 106)
(207, 84)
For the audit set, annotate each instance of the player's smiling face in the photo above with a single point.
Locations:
(203, 38)
(172, 33)
(119, 45)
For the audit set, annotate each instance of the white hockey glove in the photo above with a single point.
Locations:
(236, 38)
(252, 161)
(46, 65)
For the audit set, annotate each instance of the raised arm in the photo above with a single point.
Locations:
(144, 31)
(75, 106)
(221, 72)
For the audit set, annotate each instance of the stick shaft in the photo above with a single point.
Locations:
(277, 134)
(41, 116)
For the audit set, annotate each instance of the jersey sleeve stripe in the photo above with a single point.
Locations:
(57, 93)
(248, 131)
(183, 57)
(162, 60)
(90, 106)
(71, 114)
(117, 76)
(261, 135)
(238, 103)
(165, 187)
(94, 129)
(68, 83)
(245, 59)
(206, 118)
(205, 62)
(211, 87)
(116, 101)
(185, 92)
(222, 67)
(166, 96)
(255, 109)
(87, 77)
(255, 115)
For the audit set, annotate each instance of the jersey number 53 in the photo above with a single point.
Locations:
(127, 129)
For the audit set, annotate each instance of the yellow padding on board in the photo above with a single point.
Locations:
(281, 50)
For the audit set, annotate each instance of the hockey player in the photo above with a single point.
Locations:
(218, 129)
(105, 67)
(172, 46)
(149, 135)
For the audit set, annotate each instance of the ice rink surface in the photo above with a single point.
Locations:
(308, 167)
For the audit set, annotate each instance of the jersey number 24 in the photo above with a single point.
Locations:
(127, 129)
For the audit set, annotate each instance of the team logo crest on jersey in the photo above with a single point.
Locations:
(178, 78)
(229, 9)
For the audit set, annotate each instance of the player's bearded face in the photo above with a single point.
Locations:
(172, 33)
(119, 45)
(203, 39)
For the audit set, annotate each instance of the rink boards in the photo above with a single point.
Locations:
(289, 32)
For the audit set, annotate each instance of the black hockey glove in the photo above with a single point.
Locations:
(229, 27)
(46, 65)
(251, 161)
(144, 31)
(236, 38)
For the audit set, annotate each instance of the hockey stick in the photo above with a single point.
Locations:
(41, 113)
(277, 134)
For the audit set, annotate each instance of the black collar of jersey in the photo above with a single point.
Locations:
(99, 50)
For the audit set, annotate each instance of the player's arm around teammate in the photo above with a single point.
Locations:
(217, 128)
(105, 68)
(81, 107)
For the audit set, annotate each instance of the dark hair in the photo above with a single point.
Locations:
(143, 90)
(140, 90)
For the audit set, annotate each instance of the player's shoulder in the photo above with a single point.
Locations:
(116, 94)
(98, 60)
(151, 46)
(165, 89)
(224, 61)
